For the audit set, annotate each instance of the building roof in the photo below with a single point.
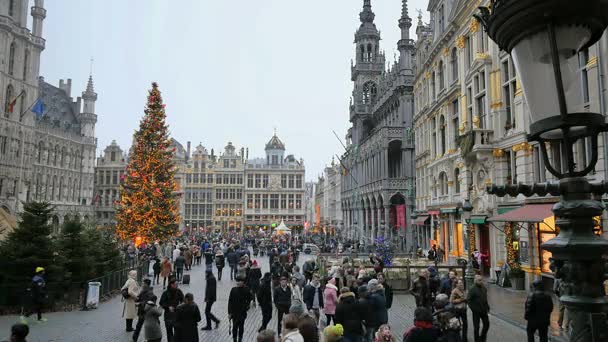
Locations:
(275, 143)
(60, 109)
(180, 152)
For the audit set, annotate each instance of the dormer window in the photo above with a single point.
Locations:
(441, 20)
(369, 92)
(11, 8)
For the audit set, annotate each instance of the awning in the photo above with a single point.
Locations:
(421, 220)
(531, 213)
(478, 219)
(447, 210)
(504, 210)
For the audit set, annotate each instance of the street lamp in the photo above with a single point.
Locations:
(469, 275)
(544, 38)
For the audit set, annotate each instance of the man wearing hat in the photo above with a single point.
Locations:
(282, 300)
(38, 293)
(539, 306)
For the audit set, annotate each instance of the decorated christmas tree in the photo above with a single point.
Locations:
(148, 206)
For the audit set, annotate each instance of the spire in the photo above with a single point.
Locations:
(367, 16)
(404, 13)
(90, 88)
(405, 22)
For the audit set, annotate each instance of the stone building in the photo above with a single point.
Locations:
(274, 189)
(328, 196)
(378, 186)
(309, 204)
(470, 124)
(199, 184)
(109, 173)
(229, 186)
(51, 155)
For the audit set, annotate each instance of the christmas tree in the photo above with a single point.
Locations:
(75, 252)
(148, 206)
(30, 246)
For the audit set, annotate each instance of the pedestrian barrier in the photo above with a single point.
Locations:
(112, 282)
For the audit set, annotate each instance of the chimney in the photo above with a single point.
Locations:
(188, 150)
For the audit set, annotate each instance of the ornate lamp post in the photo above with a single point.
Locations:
(467, 209)
(544, 38)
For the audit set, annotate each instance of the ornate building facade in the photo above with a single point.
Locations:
(328, 197)
(229, 187)
(109, 172)
(377, 190)
(51, 155)
(470, 124)
(274, 189)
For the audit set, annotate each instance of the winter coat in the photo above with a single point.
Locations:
(179, 262)
(156, 267)
(232, 258)
(282, 297)
(209, 257)
(349, 314)
(176, 253)
(144, 296)
(477, 298)
(152, 328)
(171, 298)
(38, 288)
(238, 302)
(188, 257)
(166, 269)
(253, 280)
(292, 336)
(296, 293)
(309, 296)
(330, 299)
(220, 261)
(379, 313)
(429, 333)
(211, 290)
(129, 310)
(458, 299)
(539, 306)
(300, 279)
(264, 293)
(420, 291)
(187, 317)
(388, 294)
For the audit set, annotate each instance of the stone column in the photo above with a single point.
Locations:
(385, 163)
(387, 216)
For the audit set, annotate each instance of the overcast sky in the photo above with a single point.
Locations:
(229, 70)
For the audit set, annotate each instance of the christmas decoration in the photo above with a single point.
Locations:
(512, 254)
(384, 250)
(149, 201)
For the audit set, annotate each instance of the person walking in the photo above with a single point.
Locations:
(187, 316)
(232, 259)
(420, 290)
(313, 296)
(130, 291)
(367, 314)
(188, 257)
(210, 298)
(165, 271)
(539, 306)
(296, 290)
(458, 299)
(282, 301)
(564, 320)
(156, 268)
(264, 296)
(38, 295)
(253, 280)
(238, 304)
(152, 329)
(379, 312)
(209, 259)
(171, 298)
(350, 315)
(477, 298)
(301, 280)
(330, 300)
(179, 264)
(220, 262)
(448, 283)
(388, 290)
(145, 294)
(176, 252)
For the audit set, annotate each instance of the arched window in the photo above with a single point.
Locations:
(63, 159)
(433, 92)
(369, 92)
(454, 64)
(53, 193)
(457, 181)
(442, 133)
(60, 192)
(7, 99)
(370, 53)
(26, 60)
(11, 8)
(443, 184)
(441, 83)
(11, 59)
(362, 56)
(55, 155)
(22, 106)
(40, 151)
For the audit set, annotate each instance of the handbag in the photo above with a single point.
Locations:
(125, 293)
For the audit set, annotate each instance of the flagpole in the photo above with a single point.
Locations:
(28, 108)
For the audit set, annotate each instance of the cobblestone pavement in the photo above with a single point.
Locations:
(106, 324)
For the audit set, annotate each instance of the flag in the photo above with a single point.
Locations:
(11, 105)
(38, 108)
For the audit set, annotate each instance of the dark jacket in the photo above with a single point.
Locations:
(539, 306)
(388, 294)
(187, 317)
(144, 296)
(238, 302)
(309, 296)
(379, 313)
(211, 290)
(264, 293)
(446, 285)
(419, 334)
(420, 291)
(156, 267)
(253, 279)
(171, 297)
(209, 257)
(219, 261)
(349, 314)
(282, 297)
(477, 298)
(180, 262)
(232, 258)
(38, 288)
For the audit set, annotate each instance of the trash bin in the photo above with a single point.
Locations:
(93, 295)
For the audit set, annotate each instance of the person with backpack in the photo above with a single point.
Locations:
(145, 294)
(446, 319)
(220, 262)
(38, 294)
(130, 291)
(539, 306)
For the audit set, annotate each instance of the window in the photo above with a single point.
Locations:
(250, 181)
(583, 58)
(440, 70)
(188, 179)
(457, 181)
(441, 21)
(114, 177)
(454, 64)
(210, 179)
(480, 99)
(443, 184)
(226, 163)
(511, 167)
(455, 120)
(298, 201)
(11, 59)
(7, 100)
(434, 136)
(469, 106)
(233, 179)
(218, 179)
(298, 181)
(284, 181)
(249, 201)
(539, 165)
(258, 198)
(468, 52)
(274, 201)
(508, 91)
(433, 92)
(369, 93)
(283, 201)
(11, 8)
(482, 42)
(265, 181)
(291, 181)
(258, 181)
(583, 149)
(226, 179)
(195, 178)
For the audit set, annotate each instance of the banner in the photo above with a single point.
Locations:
(401, 222)
(317, 215)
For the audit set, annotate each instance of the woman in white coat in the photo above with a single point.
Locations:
(130, 290)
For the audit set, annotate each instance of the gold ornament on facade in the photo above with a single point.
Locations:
(450, 183)
(460, 42)
(474, 25)
(498, 152)
(461, 128)
(460, 165)
(524, 146)
(452, 150)
(488, 181)
(592, 62)
(476, 121)
(481, 55)
(446, 52)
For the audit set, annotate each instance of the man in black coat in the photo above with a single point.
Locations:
(210, 298)
(477, 298)
(265, 300)
(170, 300)
(313, 296)
(145, 294)
(350, 314)
(238, 304)
(282, 300)
(187, 316)
(539, 306)
(232, 259)
(388, 290)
